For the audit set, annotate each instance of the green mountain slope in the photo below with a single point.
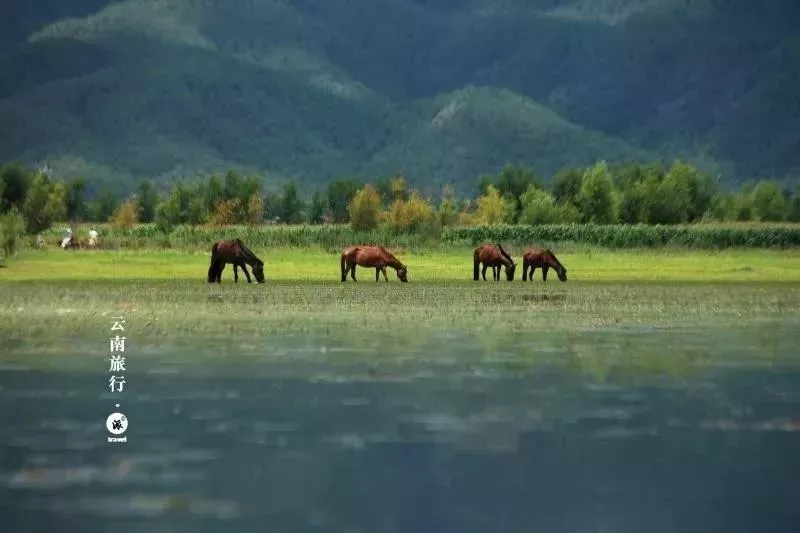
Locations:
(478, 129)
(440, 90)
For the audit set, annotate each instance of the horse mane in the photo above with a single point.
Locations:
(503, 252)
(391, 255)
(555, 259)
(248, 252)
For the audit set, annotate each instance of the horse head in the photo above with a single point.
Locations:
(562, 273)
(510, 271)
(258, 271)
(402, 273)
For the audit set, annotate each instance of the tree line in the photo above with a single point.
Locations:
(634, 193)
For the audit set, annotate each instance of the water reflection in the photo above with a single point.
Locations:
(599, 431)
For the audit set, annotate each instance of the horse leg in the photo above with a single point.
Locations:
(544, 273)
(524, 271)
(246, 274)
(219, 272)
(485, 266)
(496, 272)
(353, 272)
(212, 271)
(235, 273)
(377, 274)
(383, 269)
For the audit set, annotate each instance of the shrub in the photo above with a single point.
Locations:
(126, 216)
(12, 227)
(364, 209)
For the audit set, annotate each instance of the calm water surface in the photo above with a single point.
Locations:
(615, 430)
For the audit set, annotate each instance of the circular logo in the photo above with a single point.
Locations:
(117, 423)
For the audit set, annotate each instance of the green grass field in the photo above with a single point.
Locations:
(55, 293)
(296, 264)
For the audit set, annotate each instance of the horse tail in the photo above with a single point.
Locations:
(212, 268)
(503, 252)
(344, 266)
(476, 264)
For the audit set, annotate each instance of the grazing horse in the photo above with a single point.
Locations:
(544, 259)
(492, 255)
(376, 257)
(235, 252)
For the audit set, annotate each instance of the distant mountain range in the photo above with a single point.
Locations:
(442, 91)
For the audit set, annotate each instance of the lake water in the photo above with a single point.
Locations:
(614, 430)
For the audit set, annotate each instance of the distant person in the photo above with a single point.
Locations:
(92, 238)
(39, 241)
(67, 238)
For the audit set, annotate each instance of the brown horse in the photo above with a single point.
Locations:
(376, 257)
(492, 255)
(235, 252)
(544, 259)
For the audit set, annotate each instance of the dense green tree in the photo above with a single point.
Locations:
(674, 195)
(383, 187)
(596, 199)
(273, 206)
(633, 203)
(512, 182)
(104, 206)
(147, 200)
(447, 211)
(687, 193)
(740, 206)
(15, 185)
(198, 213)
(768, 202)
(340, 192)
(538, 207)
(291, 205)
(175, 209)
(793, 212)
(567, 185)
(317, 208)
(212, 191)
(233, 185)
(45, 203)
(76, 200)
(12, 227)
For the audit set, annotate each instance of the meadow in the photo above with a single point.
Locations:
(51, 293)
(637, 387)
